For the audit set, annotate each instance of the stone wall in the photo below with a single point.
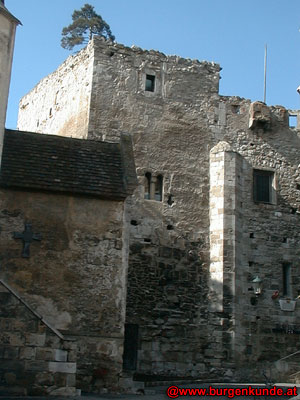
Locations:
(7, 34)
(60, 103)
(34, 359)
(270, 237)
(75, 276)
(169, 253)
(162, 123)
(166, 299)
(182, 250)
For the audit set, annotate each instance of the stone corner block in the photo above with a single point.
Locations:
(64, 391)
(221, 147)
(33, 339)
(65, 367)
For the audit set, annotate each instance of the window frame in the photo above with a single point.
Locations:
(150, 78)
(147, 185)
(259, 197)
(158, 193)
(153, 187)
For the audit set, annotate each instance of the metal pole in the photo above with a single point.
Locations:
(265, 75)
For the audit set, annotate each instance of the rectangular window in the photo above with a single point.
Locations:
(292, 120)
(263, 182)
(286, 279)
(147, 185)
(150, 83)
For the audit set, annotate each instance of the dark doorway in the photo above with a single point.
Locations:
(131, 337)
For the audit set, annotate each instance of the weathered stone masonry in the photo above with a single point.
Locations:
(34, 357)
(194, 254)
(8, 24)
(72, 192)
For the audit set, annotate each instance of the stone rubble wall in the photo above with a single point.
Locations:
(119, 101)
(59, 104)
(169, 243)
(161, 124)
(33, 360)
(173, 130)
(74, 276)
(269, 237)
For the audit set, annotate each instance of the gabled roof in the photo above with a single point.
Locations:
(62, 164)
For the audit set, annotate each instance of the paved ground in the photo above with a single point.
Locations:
(159, 393)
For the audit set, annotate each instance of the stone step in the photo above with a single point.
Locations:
(295, 377)
(285, 370)
(128, 384)
(65, 391)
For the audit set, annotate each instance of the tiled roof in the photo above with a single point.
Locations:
(62, 164)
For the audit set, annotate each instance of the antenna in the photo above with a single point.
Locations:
(265, 75)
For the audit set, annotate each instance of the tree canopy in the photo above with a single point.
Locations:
(86, 23)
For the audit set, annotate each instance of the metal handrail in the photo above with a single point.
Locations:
(290, 355)
(37, 315)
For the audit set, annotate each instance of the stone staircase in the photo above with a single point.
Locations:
(287, 369)
(35, 358)
(129, 385)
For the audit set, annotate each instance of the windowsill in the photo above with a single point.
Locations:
(264, 203)
(147, 93)
(154, 201)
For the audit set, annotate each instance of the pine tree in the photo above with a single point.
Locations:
(86, 23)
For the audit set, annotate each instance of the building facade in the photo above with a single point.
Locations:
(8, 24)
(64, 254)
(213, 275)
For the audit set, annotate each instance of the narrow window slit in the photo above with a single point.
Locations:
(159, 188)
(147, 184)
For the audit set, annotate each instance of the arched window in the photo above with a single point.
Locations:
(147, 183)
(158, 188)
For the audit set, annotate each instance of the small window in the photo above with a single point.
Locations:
(286, 279)
(147, 185)
(150, 83)
(236, 109)
(292, 121)
(158, 188)
(153, 187)
(263, 182)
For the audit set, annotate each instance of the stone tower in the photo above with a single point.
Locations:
(8, 24)
(217, 205)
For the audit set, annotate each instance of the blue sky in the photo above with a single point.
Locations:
(232, 33)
